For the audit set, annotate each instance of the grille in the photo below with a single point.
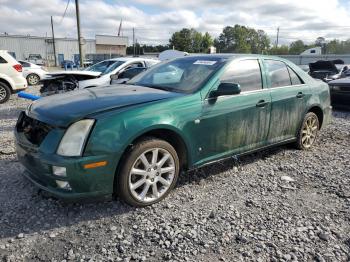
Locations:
(34, 130)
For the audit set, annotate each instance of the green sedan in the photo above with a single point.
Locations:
(133, 140)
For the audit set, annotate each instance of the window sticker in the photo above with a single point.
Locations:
(205, 62)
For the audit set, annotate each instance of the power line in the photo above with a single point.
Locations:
(65, 11)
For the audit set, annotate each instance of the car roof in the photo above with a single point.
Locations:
(127, 59)
(233, 56)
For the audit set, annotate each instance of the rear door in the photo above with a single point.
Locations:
(289, 95)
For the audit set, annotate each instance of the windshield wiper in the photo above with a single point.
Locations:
(158, 87)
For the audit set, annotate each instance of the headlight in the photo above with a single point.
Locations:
(74, 139)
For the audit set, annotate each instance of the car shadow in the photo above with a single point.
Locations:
(26, 209)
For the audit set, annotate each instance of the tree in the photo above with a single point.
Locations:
(281, 50)
(297, 47)
(190, 40)
(242, 39)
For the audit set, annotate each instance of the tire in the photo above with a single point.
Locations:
(5, 93)
(150, 184)
(33, 79)
(308, 131)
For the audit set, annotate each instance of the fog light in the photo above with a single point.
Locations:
(63, 185)
(59, 171)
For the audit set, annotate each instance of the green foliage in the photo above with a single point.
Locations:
(142, 49)
(242, 39)
(191, 41)
(281, 50)
(297, 47)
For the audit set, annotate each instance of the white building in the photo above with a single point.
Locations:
(66, 48)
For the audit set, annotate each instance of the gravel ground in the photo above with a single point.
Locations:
(277, 205)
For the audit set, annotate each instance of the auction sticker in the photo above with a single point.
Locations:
(205, 62)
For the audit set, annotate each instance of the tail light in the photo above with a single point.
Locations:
(18, 67)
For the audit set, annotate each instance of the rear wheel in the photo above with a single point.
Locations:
(308, 131)
(5, 93)
(149, 172)
(33, 79)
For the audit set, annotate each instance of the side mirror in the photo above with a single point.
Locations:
(226, 89)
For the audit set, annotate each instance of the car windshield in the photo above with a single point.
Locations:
(105, 67)
(183, 75)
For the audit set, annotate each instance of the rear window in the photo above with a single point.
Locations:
(2, 60)
(294, 78)
(278, 72)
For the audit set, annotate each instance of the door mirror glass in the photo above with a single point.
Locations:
(226, 89)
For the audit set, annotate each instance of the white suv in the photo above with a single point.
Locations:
(11, 78)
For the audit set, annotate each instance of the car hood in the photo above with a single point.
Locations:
(64, 109)
(75, 72)
(340, 82)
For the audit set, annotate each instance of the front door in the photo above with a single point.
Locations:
(289, 95)
(236, 123)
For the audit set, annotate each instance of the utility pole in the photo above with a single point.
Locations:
(278, 34)
(79, 35)
(53, 41)
(133, 40)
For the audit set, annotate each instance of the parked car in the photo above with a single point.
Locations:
(35, 59)
(11, 78)
(328, 70)
(33, 73)
(96, 75)
(340, 93)
(134, 139)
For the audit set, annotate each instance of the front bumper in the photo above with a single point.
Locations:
(84, 183)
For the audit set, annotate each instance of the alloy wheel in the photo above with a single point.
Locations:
(32, 79)
(309, 131)
(151, 175)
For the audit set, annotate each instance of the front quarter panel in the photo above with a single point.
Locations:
(115, 131)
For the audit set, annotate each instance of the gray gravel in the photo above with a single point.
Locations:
(277, 205)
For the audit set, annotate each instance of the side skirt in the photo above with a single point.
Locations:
(288, 141)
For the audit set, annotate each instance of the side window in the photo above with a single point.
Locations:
(133, 65)
(2, 60)
(24, 64)
(246, 73)
(295, 79)
(278, 73)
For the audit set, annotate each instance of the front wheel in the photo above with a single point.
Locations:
(149, 172)
(308, 131)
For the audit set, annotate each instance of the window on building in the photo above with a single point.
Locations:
(246, 73)
(278, 72)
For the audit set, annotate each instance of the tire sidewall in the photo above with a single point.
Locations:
(8, 93)
(127, 163)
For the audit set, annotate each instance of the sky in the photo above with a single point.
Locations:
(155, 20)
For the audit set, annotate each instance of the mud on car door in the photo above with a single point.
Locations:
(289, 95)
(235, 123)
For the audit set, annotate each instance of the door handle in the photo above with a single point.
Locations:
(300, 95)
(262, 103)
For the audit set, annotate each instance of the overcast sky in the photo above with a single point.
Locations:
(156, 20)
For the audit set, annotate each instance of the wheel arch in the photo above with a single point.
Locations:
(319, 113)
(163, 132)
(6, 82)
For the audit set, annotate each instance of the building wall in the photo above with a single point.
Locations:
(22, 46)
(109, 49)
